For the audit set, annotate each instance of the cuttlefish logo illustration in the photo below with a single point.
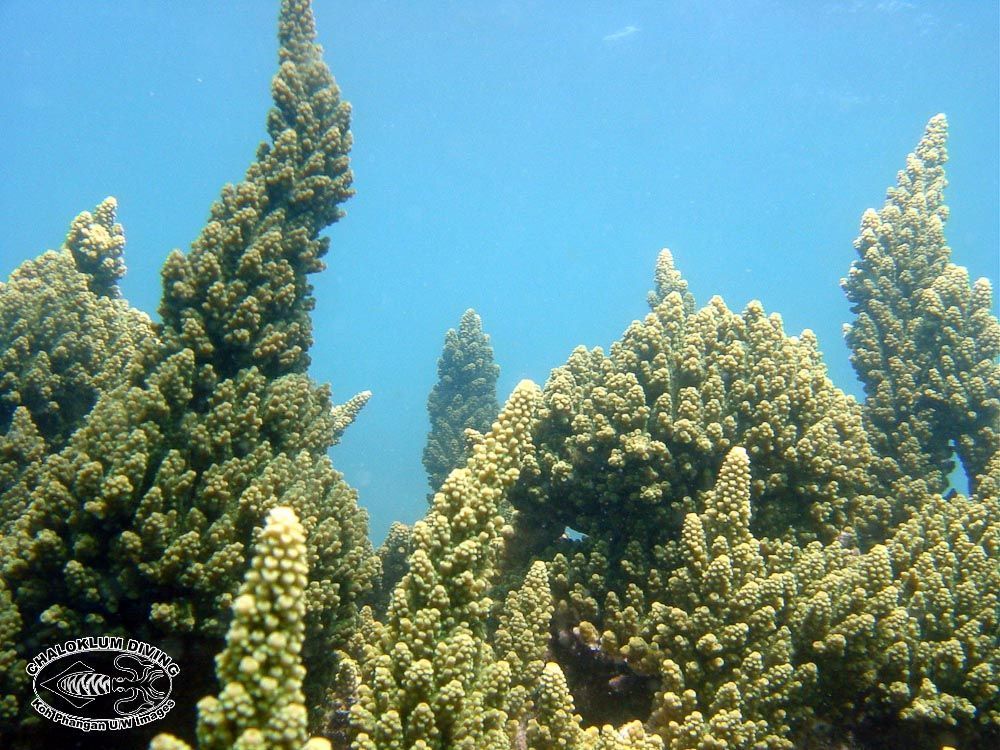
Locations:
(103, 683)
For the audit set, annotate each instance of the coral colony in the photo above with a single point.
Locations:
(755, 560)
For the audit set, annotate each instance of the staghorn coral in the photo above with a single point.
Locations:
(436, 673)
(760, 578)
(668, 279)
(853, 593)
(429, 675)
(464, 399)
(12, 664)
(924, 343)
(393, 554)
(344, 414)
(261, 704)
(758, 554)
(636, 433)
(945, 561)
(65, 338)
(722, 635)
(908, 630)
(142, 523)
(97, 243)
(241, 297)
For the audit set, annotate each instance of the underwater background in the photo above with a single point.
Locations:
(688, 539)
(527, 159)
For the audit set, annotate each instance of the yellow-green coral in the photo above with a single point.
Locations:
(668, 279)
(241, 296)
(946, 563)
(141, 524)
(637, 431)
(638, 436)
(430, 678)
(695, 541)
(65, 338)
(261, 704)
(393, 554)
(464, 397)
(925, 343)
(720, 640)
(97, 244)
(344, 414)
(831, 603)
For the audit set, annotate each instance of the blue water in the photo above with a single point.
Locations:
(526, 159)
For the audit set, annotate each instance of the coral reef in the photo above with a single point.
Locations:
(65, 338)
(762, 578)
(141, 523)
(261, 704)
(464, 399)
(635, 434)
(429, 677)
(694, 541)
(924, 343)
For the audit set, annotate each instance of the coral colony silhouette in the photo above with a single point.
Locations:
(692, 541)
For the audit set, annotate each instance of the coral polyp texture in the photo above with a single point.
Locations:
(692, 541)
(925, 342)
(241, 297)
(463, 399)
(261, 703)
(429, 677)
(136, 516)
(65, 337)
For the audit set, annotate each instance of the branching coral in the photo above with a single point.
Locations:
(141, 524)
(429, 676)
(344, 414)
(924, 343)
(65, 338)
(241, 297)
(722, 638)
(261, 704)
(693, 542)
(668, 279)
(97, 244)
(827, 589)
(463, 399)
(393, 554)
(637, 435)
(638, 432)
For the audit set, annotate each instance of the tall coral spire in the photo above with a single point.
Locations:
(429, 674)
(241, 297)
(668, 281)
(464, 398)
(66, 336)
(261, 703)
(924, 342)
(156, 490)
(97, 243)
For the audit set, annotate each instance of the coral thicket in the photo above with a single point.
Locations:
(736, 556)
(464, 398)
(261, 703)
(692, 541)
(142, 523)
(65, 338)
(925, 343)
